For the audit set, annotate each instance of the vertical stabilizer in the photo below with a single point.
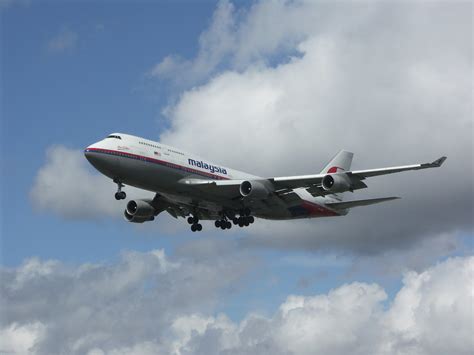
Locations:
(341, 162)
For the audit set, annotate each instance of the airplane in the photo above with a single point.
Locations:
(194, 188)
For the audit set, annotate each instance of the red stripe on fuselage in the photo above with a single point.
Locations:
(156, 161)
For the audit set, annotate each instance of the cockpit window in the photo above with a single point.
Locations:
(113, 136)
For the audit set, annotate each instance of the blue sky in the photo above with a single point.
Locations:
(76, 95)
(307, 79)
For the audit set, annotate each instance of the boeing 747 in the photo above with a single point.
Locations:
(194, 188)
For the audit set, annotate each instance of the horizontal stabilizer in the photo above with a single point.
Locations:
(350, 204)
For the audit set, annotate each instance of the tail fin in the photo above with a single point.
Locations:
(341, 162)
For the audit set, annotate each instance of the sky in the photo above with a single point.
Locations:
(267, 87)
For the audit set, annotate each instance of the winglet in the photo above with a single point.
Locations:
(438, 162)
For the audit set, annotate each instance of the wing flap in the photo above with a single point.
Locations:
(351, 204)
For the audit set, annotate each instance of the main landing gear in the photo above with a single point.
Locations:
(120, 195)
(223, 224)
(195, 225)
(245, 218)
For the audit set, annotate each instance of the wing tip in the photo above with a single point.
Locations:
(438, 162)
(435, 164)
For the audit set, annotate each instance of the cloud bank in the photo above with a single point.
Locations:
(301, 80)
(278, 88)
(149, 303)
(65, 185)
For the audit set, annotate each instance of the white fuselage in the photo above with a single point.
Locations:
(160, 168)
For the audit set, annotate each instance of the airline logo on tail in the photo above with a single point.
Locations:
(335, 169)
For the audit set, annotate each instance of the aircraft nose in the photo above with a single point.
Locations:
(99, 157)
(91, 153)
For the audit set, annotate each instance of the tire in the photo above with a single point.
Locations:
(117, 196)
(190, 220)
(123, 195)
(199, 227)
(193, 227)
(217, 224)
(251, 219)
(235, 220)
(195, 220)
(229, 225)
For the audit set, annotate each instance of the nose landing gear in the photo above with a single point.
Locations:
(120, 195)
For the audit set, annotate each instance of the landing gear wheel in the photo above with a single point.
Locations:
(217, 224)
(251, 219)
(196, 227)
(191, 220)
(235, 220)
(120, 195)
(229, 225)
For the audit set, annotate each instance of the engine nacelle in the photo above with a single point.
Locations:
(336, 183)
(253, 189)
(135, 219)
(139, 211)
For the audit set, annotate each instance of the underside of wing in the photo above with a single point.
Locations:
(314, 183)
(222, 188)
(351, 204)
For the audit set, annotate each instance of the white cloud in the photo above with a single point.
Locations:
(64, 40)
(66, 186)
(128, 304)
(215, 44)
(389, 81)
(395, 91)
(20, 339)
(138, 305)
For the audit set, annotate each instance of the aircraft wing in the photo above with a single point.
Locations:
(351, 204)
(362, 174)
(228, 188)
(312, 183)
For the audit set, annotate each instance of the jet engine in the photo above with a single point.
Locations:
(139, 211)
(336, 183)
(253, 189)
